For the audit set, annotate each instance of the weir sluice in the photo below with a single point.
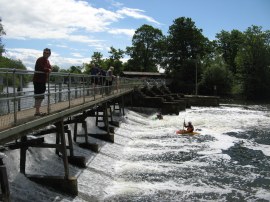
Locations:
(71, 99)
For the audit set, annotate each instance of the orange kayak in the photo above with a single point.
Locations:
(183, 132)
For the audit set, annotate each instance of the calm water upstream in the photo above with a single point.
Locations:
(228, 161)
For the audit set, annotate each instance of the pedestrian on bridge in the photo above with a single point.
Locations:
(40, 78)
(109, 80)
(95, 73)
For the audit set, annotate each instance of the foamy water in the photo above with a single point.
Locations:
(228, 161)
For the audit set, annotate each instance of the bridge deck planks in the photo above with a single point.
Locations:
(26, 121)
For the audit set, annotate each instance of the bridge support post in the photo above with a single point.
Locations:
(5, 193)
(108, 136)
(23, 155)
(80, 119)
(64, 183)
(75, 160)
(123, 106)
(61, 132)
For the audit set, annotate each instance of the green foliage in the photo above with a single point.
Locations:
(184, 42)
(253, 61)
(13, 64)
(115, 60)
(185, 48)
(55, 68)
(75, 69)
(96, 58)
(229, 43)
(2, 32)
(146, 49)
(216, 80)
(236, 62)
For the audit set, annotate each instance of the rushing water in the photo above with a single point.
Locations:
(228, 161)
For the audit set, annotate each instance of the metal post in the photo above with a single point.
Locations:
(7, 92)
(19, 91)
(14, 97)
(94, 87)
(69, 84)
(49, 95)
(83, 89)
(196, 84)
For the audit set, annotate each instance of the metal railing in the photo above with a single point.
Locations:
(65, 90)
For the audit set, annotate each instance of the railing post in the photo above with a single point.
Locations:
(19, 90)
(7, 92)
(49, 95)
(83, 89)
(14, 96)
(95, 87)
(76, 87)
(69, 84)
(55, 95)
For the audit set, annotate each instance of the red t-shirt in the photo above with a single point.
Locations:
(42, 65)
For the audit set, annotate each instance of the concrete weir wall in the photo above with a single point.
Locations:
(199, 100)
(168, 102)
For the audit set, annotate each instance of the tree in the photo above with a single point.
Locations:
(13, 64)
(115, 60)
(186, 47)
(253, 60)
(96, 58)
(2, 32)
(216, 78)
(146, 48)
(75, 69)
(228, 44)
(55, 68)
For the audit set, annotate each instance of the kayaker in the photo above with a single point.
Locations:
(159, 116)
(189, 127)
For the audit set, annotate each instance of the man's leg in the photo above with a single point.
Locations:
(38, 102)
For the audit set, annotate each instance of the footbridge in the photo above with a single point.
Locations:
(69, 99)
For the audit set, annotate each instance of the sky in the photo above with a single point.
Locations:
(74, 29)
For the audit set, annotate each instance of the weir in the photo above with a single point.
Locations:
(71, 99)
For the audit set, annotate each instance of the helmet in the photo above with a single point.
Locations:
(189, 123)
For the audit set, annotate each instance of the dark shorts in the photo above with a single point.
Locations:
(39, 88)
(95, 80)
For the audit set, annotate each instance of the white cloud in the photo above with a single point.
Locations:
(60, 19)
(61, 23)
(29, 57)
(137, 14)
(57, 19)
(128, 32)
(77, 55)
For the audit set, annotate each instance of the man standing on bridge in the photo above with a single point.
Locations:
(40, 78)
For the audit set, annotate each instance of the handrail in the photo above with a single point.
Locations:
(74, 88)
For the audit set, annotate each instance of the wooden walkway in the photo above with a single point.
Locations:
(27, 122)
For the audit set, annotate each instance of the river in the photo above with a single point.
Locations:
(228, 161)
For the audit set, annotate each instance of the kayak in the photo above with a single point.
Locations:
(183, 132)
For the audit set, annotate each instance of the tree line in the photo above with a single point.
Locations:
(234, 64)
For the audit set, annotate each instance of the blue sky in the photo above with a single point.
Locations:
(75, 29)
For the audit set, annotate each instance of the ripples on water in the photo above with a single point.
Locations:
(228, 161)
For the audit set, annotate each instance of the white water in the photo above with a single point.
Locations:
(149, 162)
